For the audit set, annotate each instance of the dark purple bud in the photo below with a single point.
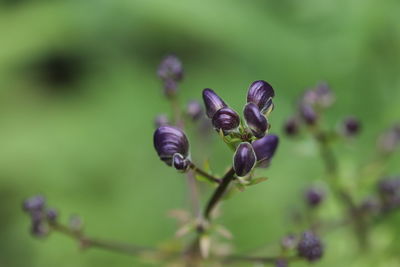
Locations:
(291, 126)
(169, 140)
(51, 215)
(194, 110)
(255, 120)
(281, 263)
(260, 93)
(161, 120)
(225, 119)
(244, 159)
(265, 148)
(310, 247)
(314, 196)
(180, 162)
(308, 114)
(289, 242)
(170, 68)
(35, 203)
(212, 102)
(351, 126)
(38, 228)
(170, 87)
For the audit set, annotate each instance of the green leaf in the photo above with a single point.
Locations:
(257, 180)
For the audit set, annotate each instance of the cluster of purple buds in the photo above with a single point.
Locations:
(256, 148)
(40, 216)
(170, 72)
(172, 147)
(310, 246)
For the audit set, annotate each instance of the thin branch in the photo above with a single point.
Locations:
(205, 174)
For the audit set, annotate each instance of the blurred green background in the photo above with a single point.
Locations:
(78, 95)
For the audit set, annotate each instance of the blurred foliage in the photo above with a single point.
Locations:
(78, 94)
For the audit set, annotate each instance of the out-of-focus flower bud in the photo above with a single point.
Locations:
(291, 126)
(169, 140)
(281, 263)
(389, 191)
(161, 120)
(256, 121)
(314, 196)
(35, 203)
(170, 68)
(225, 119)
(212, 102)
(261, 93)
(180, 162)
(351, 126)
(289, 242)
(389, 140)
(308, 114)
(52, 215)
(310, 247)
(265, 148)
(170, 87)
(244, 159)
(194, 110)
(324, 94)
(38, 228)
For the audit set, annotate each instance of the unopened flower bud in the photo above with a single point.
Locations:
(289, 242)
(255, 120)
(35, 203)
(291, 126)
(308, 114)
(314, 196)
(170, 87)
(265, 148)
(161, 120)
(212, 102)
(52, 215)
(310, 247)
(351, 126)
(260, 93)
(325, 97)
(225, 119)
(389, 140)
(170, 68)
(244, 159)
(194, 110)
(180, 162)
(169, 140)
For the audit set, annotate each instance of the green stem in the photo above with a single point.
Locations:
(205, 174)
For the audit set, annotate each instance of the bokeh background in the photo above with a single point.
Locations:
(78, 95)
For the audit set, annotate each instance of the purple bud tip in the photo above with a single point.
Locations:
(351, 126)
(225, 119)
(265, 147)
(170, 68)
(52, 215)
(212, 102)
(35, 203)
(310, 247)
(169, 140)
(244, 159)
(194, 110)
(291, 127)
(308, 114)
(260, 93)
(161, 120)
(255, 120)
(314, 196)
(180, 162)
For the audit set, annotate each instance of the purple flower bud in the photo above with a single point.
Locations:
(389, 191)
(170, 68)
(281, 263)
(38, 227)
(351, 126)
(180, 162)
(161, 120)
(35, 203)
(170, 87)
(325, 97)
(265, 148)
(291, 126)
(169, 140)
(260, 93)
(212, 102)
(389, 140)
(244, 159)
(314, 196)
(310, 247)
(225, 119)
(52, 215)
(308, 114)
(255, 120)
(289, 242)
(194, 110)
